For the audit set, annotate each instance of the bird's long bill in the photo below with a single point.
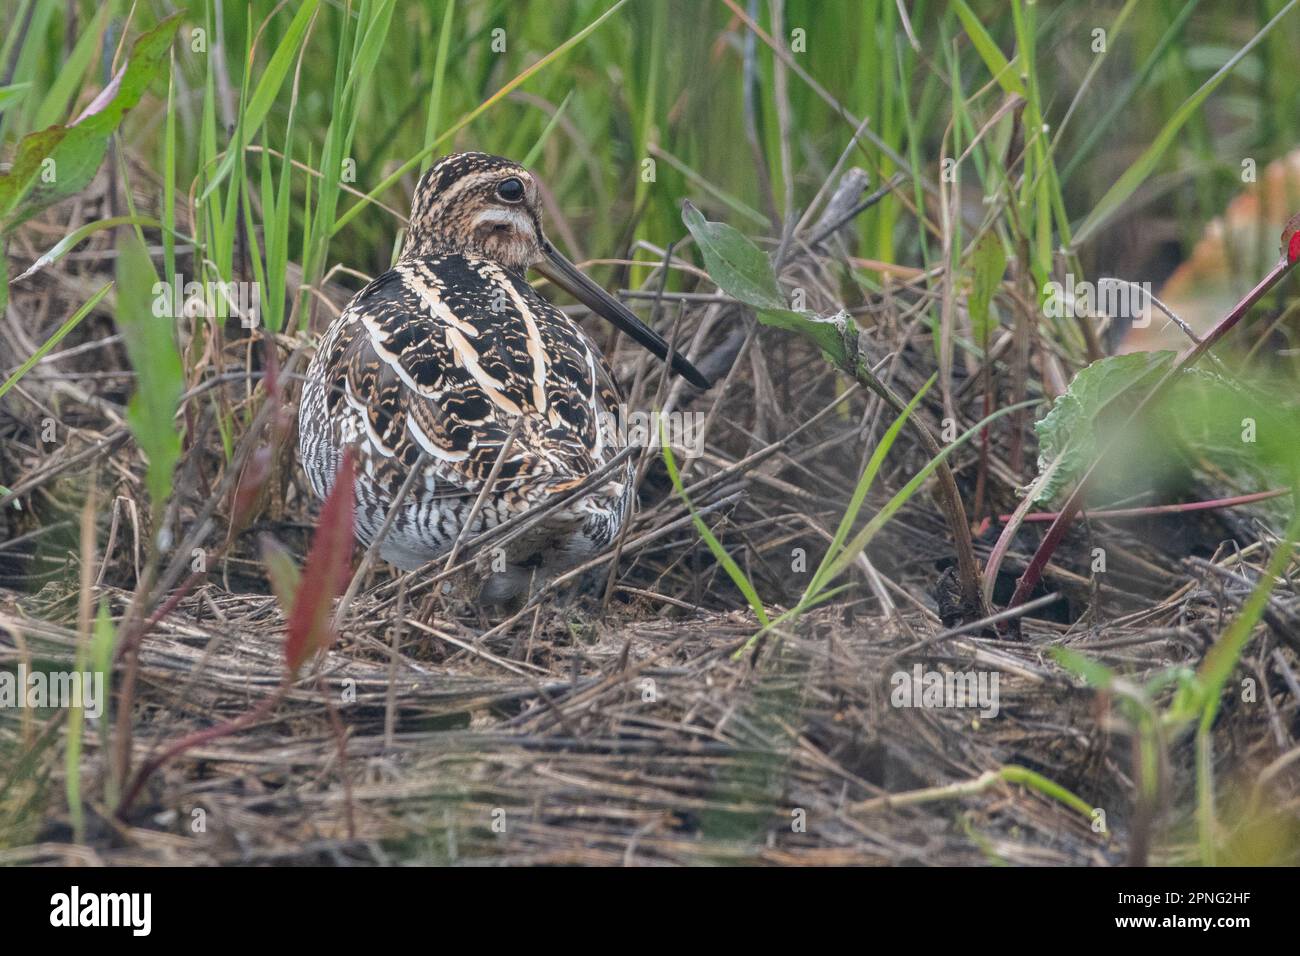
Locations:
(566, 275)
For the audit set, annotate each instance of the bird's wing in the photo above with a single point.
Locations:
(445, 355)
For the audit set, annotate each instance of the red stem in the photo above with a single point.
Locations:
(1159, 509)
(189, 741)
(1052, 539)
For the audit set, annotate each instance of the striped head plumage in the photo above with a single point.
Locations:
(483, 205)
(479, 204)
(452, 366)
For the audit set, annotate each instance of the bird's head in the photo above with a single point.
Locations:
(477, 204)
(482, 205)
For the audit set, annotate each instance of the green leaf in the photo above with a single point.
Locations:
(152, 350)
(864, 537)
(1207, 412)
(736, 265)
(103, 642)
(554, 121)
(988, 263)
(436, 93)
(1068, 431)
(518, 80)
(1003, 72)
(827, 334)
(742, 270)
(860, 490)
(283, 572)
(1014, 773)
(12, 95)
(58, 162)
(78, 236)
(32, 151)
(1097, 675)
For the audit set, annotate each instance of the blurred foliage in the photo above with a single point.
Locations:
(665, 81)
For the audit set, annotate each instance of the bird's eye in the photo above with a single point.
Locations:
(511, 190)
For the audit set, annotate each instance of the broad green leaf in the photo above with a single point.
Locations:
(827, 334)
(27, 165)
(1069, 431)
(736, 265)
(58, 162)
(1250, 432)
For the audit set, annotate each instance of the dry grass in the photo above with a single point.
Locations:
(625, 732)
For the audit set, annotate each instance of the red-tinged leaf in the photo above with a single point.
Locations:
(283, 415)
(76, 150)
(329, 565)
(252, 482)
(282, 571)
(272, 379)
(1291, 238)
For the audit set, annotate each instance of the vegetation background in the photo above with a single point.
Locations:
(280, 143)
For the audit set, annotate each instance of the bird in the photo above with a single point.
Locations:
(450, 365)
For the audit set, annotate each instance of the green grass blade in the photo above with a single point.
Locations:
(872, 528)
(1145, 164)
(554, 121)
(78, 236)
(436, 90)
(472, 115)
(54, 339)
(1003, 71)
(865, 480)
(255, 108)
(729, 565)
(54, 107)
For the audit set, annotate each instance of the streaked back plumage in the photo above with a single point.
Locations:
(442, 355)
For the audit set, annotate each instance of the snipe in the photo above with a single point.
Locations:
(435, 363)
